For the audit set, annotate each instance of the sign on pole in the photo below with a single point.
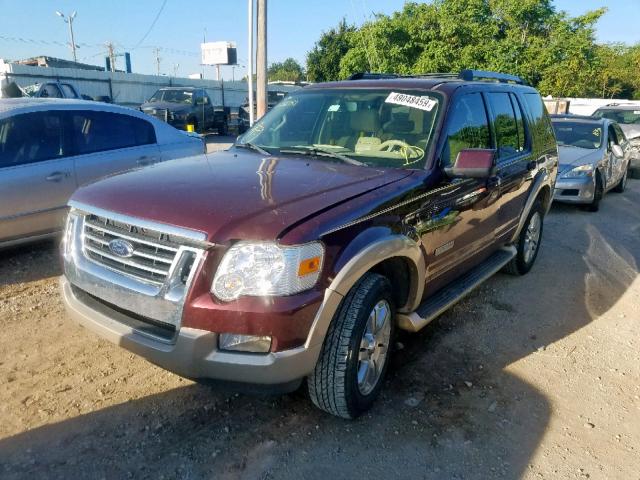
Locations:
(219, 53)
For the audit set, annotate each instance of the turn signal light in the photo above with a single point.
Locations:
(308, 266)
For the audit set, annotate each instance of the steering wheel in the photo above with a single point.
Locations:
(393, 145)
(409, 152)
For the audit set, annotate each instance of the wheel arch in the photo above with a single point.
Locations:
(396, 256)
(542, 189)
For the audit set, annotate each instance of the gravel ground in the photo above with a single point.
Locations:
(531, 377)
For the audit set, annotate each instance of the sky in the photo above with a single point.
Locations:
(293, 28)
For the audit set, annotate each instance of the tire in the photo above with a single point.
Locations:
(622, 184)
(598, 193)
(339, 383)
(528, 244)
(222, 129)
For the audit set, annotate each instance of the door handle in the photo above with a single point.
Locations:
(144, 161)
(56, 176)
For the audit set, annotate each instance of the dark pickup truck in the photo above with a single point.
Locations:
(348, 211)
(182, 106)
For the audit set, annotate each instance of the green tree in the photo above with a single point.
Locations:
(288, 71)
(323, 61)
(553, 51)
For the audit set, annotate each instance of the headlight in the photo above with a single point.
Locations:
(67, 239)
(581, 171)
(267, 269)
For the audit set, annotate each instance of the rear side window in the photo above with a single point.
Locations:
(68, 91)
(504, 124)
(50, 90)
(102, 131)
(467, 128)
(622, 138)
(32, 137)
(540, 125)
(522, 139)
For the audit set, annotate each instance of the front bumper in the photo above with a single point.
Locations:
(192, 353)
(574, 190)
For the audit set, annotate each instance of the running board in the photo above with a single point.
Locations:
(455, 291)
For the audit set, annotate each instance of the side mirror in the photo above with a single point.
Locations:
(472, 163)
(617, 151)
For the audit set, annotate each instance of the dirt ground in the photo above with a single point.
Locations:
(531, 377)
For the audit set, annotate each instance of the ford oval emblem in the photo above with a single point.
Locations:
(121, 248)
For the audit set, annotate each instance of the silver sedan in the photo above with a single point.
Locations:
(594, 157)
(50, 147)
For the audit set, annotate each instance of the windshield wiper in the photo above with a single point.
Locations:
(253, 146)
(321, 152)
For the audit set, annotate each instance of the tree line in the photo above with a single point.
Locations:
(556, 53)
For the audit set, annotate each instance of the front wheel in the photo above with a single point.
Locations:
(622, 184)
(598, 193)
(350, 371)
(528, 243)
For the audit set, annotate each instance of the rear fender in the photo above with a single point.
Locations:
(543, 180)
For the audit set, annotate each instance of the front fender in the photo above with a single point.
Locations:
(356, 260)
(356, 263)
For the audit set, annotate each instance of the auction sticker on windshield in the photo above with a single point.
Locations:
(414, 101)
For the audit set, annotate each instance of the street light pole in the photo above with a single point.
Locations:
(69, 20)
(261, 60)
(250, 63)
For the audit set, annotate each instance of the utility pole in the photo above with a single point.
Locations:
(69, 21)
(250, 63)
(261, 59)
(157, 53)
(112, 56)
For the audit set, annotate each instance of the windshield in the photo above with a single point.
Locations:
(377, 128)
(625, 117)
(578, 134)
(172, 96)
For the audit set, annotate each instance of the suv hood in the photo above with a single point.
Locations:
(234, 194)
(172, 106)
(630, 130)
(571, 157)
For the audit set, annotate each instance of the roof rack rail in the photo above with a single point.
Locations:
(371, 76)
(467, 75)
(470, 75)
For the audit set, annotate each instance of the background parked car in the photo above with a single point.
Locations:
(182, 106)
(273, 98)
(594, 156)
(628, 117)
(50, 147)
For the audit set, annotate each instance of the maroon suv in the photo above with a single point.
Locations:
(351, 209)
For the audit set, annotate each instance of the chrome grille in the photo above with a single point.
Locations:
(153, 252)
(160, 114)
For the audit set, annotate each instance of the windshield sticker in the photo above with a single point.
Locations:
(596, 132)
(414, 101)
(334, 108)
(636, 112)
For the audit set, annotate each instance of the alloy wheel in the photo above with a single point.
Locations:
(532, 237)
(374, 347)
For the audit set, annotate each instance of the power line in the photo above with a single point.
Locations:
(153, 24)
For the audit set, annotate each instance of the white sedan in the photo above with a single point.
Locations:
(49, 147)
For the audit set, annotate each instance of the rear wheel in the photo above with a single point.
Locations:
(353, 362)
(622, 185)
(528, 243)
